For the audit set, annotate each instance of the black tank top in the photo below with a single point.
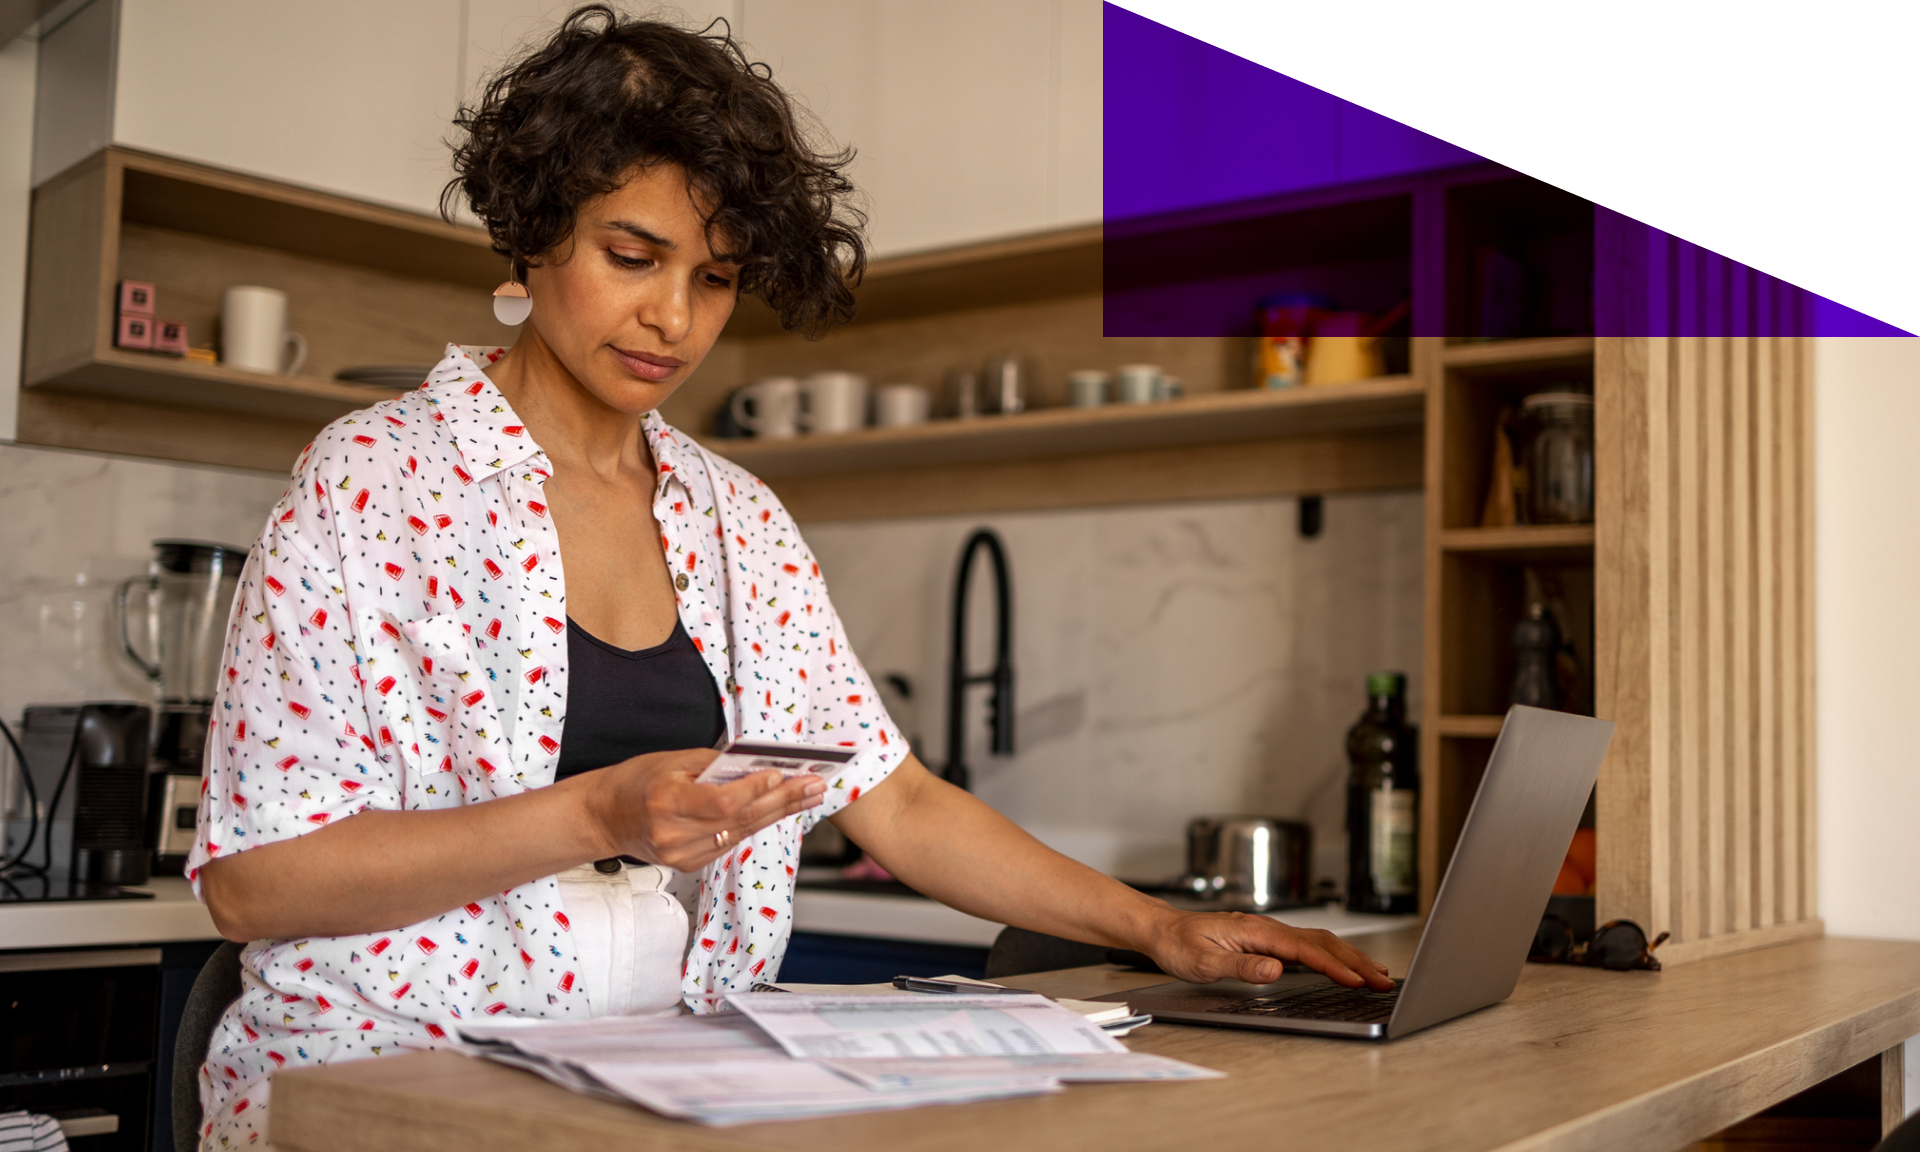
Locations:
(622, 704)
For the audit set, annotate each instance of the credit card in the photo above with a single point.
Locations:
(743, 758)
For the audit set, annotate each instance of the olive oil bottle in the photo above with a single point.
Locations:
(1383, 802)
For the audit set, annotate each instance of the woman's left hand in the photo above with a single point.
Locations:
(1201, 947)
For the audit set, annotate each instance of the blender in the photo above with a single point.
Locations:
(173, 625)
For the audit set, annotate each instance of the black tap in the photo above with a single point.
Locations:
(1000, 706)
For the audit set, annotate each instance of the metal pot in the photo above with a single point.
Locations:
(1253, 860)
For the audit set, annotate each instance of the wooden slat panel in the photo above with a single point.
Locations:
(1688, 570)
(1709, 674)
(1797, 906)
(1713, 620)
(1740, 622)
(1804, 667)
(1624, 602)
(1766, 453)
(1659, 663)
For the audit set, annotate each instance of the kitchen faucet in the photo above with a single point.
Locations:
(1000, 705)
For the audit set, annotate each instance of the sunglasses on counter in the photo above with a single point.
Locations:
(1617, 945)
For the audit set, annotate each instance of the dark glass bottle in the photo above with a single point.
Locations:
(1383, 802)
(1536, 645)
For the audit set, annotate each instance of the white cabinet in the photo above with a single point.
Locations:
(970, 120)
(498, 30)
(353, 96)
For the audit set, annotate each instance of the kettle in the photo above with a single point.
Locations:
(1250, 861)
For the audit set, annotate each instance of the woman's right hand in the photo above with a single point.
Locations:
(649, 807)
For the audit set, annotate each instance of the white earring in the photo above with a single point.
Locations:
(512, 304)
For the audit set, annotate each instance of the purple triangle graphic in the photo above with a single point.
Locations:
(1227, 183)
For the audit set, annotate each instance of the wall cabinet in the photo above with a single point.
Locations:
(353, 96)
(969, 121)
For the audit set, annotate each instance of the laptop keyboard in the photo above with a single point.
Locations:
(1357, 1005)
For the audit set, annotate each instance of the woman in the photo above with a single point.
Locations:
(450, 780)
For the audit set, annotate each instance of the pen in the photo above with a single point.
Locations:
(920, 984)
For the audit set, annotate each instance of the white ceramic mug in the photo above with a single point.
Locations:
(253, 331)
(769, 408)
(1138, 383)
(898, 405)
(833, 402)
(1086, 388)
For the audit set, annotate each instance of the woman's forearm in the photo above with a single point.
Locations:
(957, 850)
(384, 869)
(949, 845)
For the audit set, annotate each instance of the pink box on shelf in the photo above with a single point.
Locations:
(170, 336)
(134, 332)
(136, 298)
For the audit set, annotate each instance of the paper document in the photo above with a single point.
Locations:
(783, 1056)
(742, 758)
(864, 1027)
(956, 1071)
(712, 1069)
(1098, 1011)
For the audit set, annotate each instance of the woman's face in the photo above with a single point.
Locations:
(631, 304)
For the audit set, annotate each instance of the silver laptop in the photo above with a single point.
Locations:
(1483, 920)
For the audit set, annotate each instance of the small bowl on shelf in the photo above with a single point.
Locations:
(388, 377)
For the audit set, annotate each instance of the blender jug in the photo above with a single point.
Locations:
(181, 623)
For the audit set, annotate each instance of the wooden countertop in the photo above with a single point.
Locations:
(1575, 1059)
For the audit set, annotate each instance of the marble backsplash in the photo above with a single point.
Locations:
(76, 525)
(1170, 661)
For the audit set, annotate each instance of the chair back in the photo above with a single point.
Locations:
(217, 986)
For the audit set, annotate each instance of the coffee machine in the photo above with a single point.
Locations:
(85, 768)
(173, 625)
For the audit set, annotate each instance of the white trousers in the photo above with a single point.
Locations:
(631, 936)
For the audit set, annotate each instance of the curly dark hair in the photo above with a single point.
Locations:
(607, 94)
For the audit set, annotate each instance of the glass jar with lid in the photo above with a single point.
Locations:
(1558, 457)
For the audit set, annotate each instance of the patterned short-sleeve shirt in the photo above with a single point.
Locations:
(399, 642)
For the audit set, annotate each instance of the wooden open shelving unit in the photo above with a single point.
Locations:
(1387, 402)
(1053, 299)
(1477, 577)
(366, 284)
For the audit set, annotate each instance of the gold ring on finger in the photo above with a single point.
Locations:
(722, 838)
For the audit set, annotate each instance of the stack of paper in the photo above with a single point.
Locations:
(1117, 1019)
(787, 1056)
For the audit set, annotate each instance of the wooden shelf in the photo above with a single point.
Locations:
(1016, 270)
(1521, 543)
(1391, 402)
(366, 284)
(1471, 727)
(1494, 357)
(166, 380)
